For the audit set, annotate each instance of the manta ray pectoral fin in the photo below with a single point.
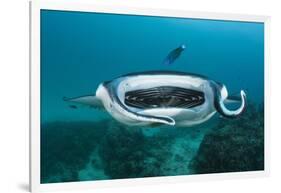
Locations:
(85, 101)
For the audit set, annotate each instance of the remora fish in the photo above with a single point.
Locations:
(174, 54)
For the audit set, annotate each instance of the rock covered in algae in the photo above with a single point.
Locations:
(129, 153)
(66, 148)
(233, 146)
(79, 151)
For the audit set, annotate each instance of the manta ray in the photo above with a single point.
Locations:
(162, 98)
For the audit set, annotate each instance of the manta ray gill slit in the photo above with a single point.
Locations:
(164, 97)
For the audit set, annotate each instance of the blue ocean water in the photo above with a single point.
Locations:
(80, 50)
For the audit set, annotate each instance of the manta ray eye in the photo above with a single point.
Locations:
(164, 97)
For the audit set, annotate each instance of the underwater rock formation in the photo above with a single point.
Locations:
(79, 151)
(122, 152)
(66, 148)
(233, 146)
(128, 153)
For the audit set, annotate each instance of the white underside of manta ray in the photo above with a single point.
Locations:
(162, 97)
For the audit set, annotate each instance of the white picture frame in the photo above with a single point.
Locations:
(36, 6)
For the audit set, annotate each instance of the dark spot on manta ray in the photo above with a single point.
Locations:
(164, 96)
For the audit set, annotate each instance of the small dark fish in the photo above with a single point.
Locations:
(73, 106)
(174, 54)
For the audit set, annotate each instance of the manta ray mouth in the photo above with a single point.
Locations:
(164, 97)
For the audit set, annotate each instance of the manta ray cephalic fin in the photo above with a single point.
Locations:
(233, 99)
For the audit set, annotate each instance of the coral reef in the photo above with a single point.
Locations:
(233, 145)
